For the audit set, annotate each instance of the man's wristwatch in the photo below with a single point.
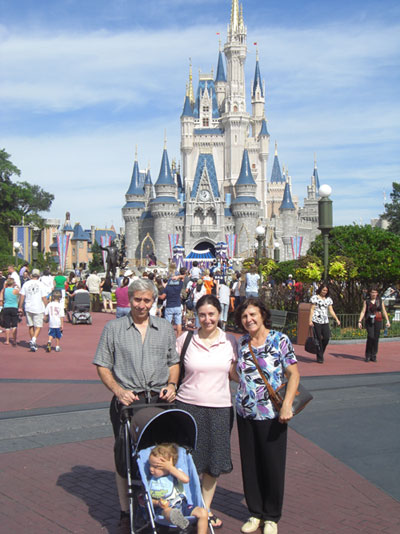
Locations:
(173, 383)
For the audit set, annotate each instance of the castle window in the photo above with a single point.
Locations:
(235, 108)
(206, 122)
(206, 110)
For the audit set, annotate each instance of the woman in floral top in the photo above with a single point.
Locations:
(262, 430)
(319, 319)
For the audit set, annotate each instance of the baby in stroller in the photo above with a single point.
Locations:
(166, 489)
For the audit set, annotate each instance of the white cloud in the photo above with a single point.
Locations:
(324, 88)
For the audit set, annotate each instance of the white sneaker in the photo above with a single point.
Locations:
(270, 527)
(251, 525)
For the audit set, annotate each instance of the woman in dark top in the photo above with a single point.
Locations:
(373, 311)
(105, 287)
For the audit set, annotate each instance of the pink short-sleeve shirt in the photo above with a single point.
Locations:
(206, 380)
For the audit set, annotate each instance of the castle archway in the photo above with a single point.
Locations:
(204, 245)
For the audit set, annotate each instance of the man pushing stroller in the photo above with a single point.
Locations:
(137, 361)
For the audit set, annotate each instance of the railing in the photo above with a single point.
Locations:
(348, 328)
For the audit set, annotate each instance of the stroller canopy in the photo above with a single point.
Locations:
(153, 425)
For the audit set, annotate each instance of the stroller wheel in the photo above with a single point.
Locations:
(90, 320)
(73, 319)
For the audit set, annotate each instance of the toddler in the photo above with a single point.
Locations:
(166, 489)
(55, 312)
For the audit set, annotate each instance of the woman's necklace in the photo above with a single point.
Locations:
(209, 340)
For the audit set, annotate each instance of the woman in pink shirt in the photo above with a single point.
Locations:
(209, 363)
(121, 296)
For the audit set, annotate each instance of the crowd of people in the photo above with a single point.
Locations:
(145, 354)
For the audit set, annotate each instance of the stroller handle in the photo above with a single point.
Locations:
(127, 411)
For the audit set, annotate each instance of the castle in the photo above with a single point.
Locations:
(220, 193)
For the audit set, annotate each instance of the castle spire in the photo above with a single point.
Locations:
(257, 80)
(276, 175)
(235, 16)
(287, 202)
(190, 90)
(220, 77)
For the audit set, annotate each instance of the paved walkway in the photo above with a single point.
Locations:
(57, 467)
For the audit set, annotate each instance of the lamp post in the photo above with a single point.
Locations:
(260, 234)
(35, 246)
(276, 251)
(17, 247)
(325, 222)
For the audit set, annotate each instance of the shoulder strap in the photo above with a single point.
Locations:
(188, 339)
(272, 395)
(186, 343)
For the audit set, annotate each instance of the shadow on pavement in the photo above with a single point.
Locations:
(98, 490)
(347, 356)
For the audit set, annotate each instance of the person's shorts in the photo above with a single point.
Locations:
(34, 319)
(106, 295)
(10, 318)
(55, 333)
(174, 314)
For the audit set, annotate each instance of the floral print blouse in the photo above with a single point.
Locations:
(252, 398)
(320, 315)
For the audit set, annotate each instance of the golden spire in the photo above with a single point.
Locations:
(241, 21)
(191, 92)
(276, 148)
(315, 160)
(136, 153)
(235, 15)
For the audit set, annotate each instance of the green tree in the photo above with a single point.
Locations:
(392, 213)
(19, 200)
(97, 259)
(359, 257)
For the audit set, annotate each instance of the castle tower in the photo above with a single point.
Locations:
(245, 207)
(235, 119)
(220, 83)
(132, 211)
(164, 209)
(275, 188)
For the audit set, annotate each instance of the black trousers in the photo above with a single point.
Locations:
(263, 457)
(373, 333)
(323, 334)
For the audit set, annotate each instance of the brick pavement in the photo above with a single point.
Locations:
(70, 487)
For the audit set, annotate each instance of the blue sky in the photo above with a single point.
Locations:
(83, 82)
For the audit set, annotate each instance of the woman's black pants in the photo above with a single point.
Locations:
(263, 457)
(322, 333)
(373, 333)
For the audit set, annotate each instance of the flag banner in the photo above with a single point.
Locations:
(62, 247)
(105, 241)
(296, 247)
(178, 252)
(173, 241)
(231, 242)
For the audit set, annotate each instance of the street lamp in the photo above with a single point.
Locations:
(260, 234)
(325, 222)
(35, 246)
(17, 247)
(276, 251)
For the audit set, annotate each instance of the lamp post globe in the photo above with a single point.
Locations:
(17, 246)
(260, 234)
(35, 246)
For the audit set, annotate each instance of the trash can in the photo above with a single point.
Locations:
(303, 322)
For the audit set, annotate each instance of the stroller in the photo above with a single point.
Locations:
(143, 427)
(79, 312)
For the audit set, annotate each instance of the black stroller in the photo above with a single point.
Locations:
(79, 309)
(143, 428)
